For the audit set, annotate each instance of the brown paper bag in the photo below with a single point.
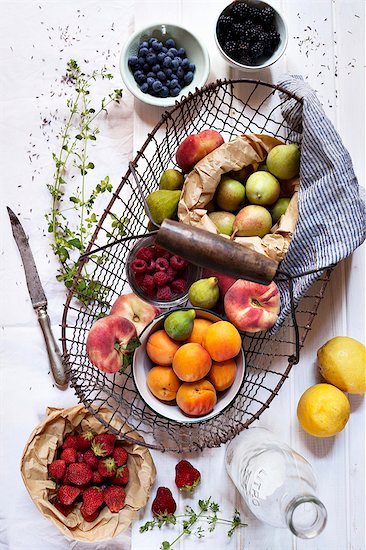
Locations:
(200, 186)
(40, 451)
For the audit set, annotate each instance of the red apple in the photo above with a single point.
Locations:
(196, 146)
(107, 342)
(252, 307)
(134, 309)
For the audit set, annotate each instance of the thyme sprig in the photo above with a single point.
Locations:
(207, 511)
(68, 188)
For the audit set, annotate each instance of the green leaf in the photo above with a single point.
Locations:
(74, 243)
(78, 136)
(165, 545)
(74, 200)
(90, 165)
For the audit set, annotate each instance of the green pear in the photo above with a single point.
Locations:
(223, 221)
(230, 194)
(283, 161)
(163, 204)
(262, 188)
(279, 208)
(171, 180)
(252, 221)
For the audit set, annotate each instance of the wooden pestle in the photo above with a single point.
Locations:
(214, 252)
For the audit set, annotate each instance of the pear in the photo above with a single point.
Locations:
(223, 221)
(163, 204)
(279, 208)
(230, 194)
(171, 180)
(179, 324)
(262, 188)
(204, 293)
(251, 221)
(283, 161)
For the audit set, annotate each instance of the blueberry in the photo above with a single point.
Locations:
(151, 58)
(167, 61)
(144, 87)
(161, 57)
(185, 63)
(180, 73)
(161, 76)
(150, 81)
(174, 76)
(140, 79)
(173, 51)
(175, 64)
(178, 60)
(142, 61)
(192, 67)
(144, 45)
(155, 68)
(164, 49)
(170, 43)
(137, 73)
(182, 53)
(157, 86)
(170, 54)
(157, 46)
(133, 60)
(143, 52)
(175, 91)
(188, 77)
(151, 40)
(173, 83)
(164, 92)
(168, 72)
(146, 68)
(151, 75)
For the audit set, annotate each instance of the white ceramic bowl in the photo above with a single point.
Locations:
(196, 52)
(262, 62)
(170, 410)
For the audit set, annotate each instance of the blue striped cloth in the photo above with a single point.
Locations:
(332, 218)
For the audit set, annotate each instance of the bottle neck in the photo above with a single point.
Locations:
(306, 516)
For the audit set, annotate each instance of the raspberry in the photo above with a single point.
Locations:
(151, 267)
(161, 264)
(145, 254)
(139, 277)
(160, 252)
(177, 263)
(148, 283)
(164, 293)
(171, 273)
(161, 278)
(179, 286)
(139, 266)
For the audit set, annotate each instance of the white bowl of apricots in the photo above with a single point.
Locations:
(190, 365)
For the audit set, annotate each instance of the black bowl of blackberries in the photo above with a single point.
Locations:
(251, 34)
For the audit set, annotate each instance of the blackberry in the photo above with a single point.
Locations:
(225, 23)
(230, 48)
(274, 38)
(244, 51)
(256, 50)
(248, 24)
(262, 36)
(240, 11)
(253, 32)
(254, 13)
(238, 30)
(267, 15)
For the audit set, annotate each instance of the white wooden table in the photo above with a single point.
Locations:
(36, 41)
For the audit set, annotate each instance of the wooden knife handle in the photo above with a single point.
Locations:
(217, 253)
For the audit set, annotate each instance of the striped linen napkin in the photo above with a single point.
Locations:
(332, 217)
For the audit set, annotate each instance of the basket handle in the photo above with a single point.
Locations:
(214, 252)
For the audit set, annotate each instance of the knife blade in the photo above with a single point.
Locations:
(39, 300)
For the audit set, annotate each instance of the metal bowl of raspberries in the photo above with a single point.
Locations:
(251, 35)
(158, 276)
(161, 63)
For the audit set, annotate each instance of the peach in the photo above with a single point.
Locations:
(196, 398)
(106, 344)
(131, 307)
(163, 383)
(222, 341)
(222, 375)
(196, 146)
(199, 330)
(161, 349)
(191, 362)
(252, 307)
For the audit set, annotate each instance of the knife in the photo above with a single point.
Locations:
(39, 300)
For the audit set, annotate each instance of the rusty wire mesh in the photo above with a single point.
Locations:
(231, 107)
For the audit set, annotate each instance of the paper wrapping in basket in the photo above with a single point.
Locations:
(200, 186)
(40, 451)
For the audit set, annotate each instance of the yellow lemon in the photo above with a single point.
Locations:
(323, 410)
(342, 362)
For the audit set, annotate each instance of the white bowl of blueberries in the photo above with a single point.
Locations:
(162, 63)
(251, 34)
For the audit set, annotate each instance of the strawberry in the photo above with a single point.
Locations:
(91, 460)
(107, 467)
(80, 457)
(96, 479)
(122, 476)
(114, 497)
(103, 444)
(92, 499)
(86, 516)
(69, 455)
(57, 469)
(120, 455)
(164, 503)
(67, 494)
(186, 476)
(63, 508)
(84, 440)
(70, 442)
(79, 473)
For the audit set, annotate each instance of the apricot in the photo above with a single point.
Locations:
(161, 349)
(222, 341)
(163, 383)
(196, 398)
(191, 362)
(222, 375)
(199, 330)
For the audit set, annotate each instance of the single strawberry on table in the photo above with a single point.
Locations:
(187, 477)
(114, 498)
(164, 503)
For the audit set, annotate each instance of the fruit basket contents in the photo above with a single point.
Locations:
(86, 481)
(161, 68)
(189, 365)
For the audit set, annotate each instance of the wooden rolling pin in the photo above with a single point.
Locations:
(214, 252)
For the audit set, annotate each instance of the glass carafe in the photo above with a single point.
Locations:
(277, 484)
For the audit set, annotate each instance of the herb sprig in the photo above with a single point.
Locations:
(72, 164)
(207, 511)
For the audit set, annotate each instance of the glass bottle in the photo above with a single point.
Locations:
(276, 483)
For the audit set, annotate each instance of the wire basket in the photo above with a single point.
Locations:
(231, 107)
